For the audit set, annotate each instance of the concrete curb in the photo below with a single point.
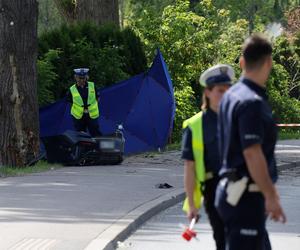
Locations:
(124, 227)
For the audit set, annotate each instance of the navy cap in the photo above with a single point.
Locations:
(218, 74)
(81, 71)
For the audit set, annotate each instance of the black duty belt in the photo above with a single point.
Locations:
(231, 176)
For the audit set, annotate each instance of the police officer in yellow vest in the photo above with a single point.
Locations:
(200, 148)
(84, 103)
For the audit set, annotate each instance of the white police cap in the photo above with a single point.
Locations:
(81, 71)
(218, 74)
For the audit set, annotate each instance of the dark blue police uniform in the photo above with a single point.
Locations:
(212, 165)
(245, 119)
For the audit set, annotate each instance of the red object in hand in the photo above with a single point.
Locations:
(188, 234)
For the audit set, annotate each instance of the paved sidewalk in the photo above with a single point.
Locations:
(94, 207)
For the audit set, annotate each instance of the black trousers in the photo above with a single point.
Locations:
(87, 123)
(213, 215)
(245, 223)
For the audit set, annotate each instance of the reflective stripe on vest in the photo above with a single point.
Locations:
(195, 124)
(77, 108)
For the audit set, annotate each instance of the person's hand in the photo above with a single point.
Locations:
(274, 209)
(193, 213)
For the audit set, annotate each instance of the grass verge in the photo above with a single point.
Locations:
(289, 134)
(173, 146)
(41, 166)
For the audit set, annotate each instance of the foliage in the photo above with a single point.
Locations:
(46, 77)
(289, 133)
(185, 107)
(230, 43)
(191, 41)
(257, 11)
(297, 44)
(83, 52)
(173, 146)
(293, 20)
(284, 82)
(134, 8)
(49, 16)
(68, 5)
(112, 55)
(67, 9)
(286, 55)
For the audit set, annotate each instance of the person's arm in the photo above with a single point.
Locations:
(258, 169)
(69, 97)
(189, 185)
(189, 172)
(252, 133)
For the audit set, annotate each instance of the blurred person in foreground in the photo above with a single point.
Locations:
(246, 193)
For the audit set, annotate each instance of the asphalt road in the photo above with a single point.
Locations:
(73, 208)
(164, 230)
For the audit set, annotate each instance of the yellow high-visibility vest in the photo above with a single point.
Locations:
(77, 108)
(195, 124)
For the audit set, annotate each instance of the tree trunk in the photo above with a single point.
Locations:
(122, 12)
(19, 122)
(98, 11)
(67, 10)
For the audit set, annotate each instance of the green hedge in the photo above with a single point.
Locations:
(111, 54)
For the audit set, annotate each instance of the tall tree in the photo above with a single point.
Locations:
(98, 11)
(49, 16)
(19, 126)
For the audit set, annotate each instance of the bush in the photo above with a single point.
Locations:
(284, 82)
(185, 108)
(46, 77)
(111, 54)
